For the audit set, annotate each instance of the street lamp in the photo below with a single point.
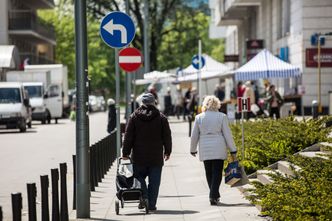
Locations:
(319, 36)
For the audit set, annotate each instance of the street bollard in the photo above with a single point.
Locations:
(94, 166)
(64, 200)
(17, 206)
(92, 186)
(32, 194)
(44, 197)
(1, 214)
(55, 194)
(314, 109)
(74, 183)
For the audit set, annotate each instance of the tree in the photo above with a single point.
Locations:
(100, 57)
(159, 14)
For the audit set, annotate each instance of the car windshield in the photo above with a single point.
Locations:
(34, 91)
(10, 95)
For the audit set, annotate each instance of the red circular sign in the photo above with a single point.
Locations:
(130, 59)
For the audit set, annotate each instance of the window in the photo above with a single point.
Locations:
(283, 21)
(54, 91)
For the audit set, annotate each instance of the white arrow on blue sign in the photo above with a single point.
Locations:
(195, 61)
(117, 29)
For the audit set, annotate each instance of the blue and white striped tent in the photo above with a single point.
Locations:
(266, 65)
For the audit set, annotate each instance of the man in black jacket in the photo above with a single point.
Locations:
(148, 139)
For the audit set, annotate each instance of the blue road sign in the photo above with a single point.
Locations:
(195, 61)
(117, 29)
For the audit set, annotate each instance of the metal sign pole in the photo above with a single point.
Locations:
(199, 73)
(82, 122)
(128, 82)
(117, 102)
(242, 125)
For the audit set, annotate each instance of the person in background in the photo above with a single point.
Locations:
(186, 100)
(274, 101)
(111, 125)
(148, 140)
(219, 92)
(153, 91)
(193, 102)
(178, 102)
(240, 89)
(168, 103)
(212, 133)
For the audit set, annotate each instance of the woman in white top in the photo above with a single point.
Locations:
(213, 135)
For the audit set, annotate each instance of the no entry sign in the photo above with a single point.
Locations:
(130, 59)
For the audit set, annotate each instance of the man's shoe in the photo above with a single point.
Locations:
(214, 202)
(141, 205)
(152, 209)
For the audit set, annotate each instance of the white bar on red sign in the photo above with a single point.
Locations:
(130, 59)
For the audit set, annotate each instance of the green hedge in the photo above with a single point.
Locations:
(267, 141)
(306, 196)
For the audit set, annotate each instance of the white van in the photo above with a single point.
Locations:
(14, 106)
(36, 93)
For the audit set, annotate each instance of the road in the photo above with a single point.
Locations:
(26, 156)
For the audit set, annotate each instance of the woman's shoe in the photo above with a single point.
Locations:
(214, 202)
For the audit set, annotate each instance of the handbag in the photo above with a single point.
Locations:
(232, 173)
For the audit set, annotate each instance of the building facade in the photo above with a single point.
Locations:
(20, 26)
(287, 29)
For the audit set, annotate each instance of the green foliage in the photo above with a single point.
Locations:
(267, 141)
(180, 42)
(100, 57)
(304, 196)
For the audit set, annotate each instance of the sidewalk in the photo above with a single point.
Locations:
(183, 192)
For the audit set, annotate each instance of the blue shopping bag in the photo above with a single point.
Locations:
(232, 173)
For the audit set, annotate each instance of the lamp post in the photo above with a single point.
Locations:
(320, 35)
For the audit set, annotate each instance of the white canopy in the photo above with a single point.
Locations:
(9, 57)
(156, 76)
(266, 65)
(211, 69)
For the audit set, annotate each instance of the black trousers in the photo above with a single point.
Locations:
(213, 172)
(276, 111)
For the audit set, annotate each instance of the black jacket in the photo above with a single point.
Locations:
(148, 137)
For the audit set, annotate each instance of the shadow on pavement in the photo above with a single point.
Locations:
(174, 212)
(18, 132)
(235, 204)
(176, 196)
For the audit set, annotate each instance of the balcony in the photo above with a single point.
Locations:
(25, 23)
(39, 4)
(231, 12)
(34, 59)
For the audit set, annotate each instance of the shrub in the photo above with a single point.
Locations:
(267, 141)
(306, 196)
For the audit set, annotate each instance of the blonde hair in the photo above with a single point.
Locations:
(211, 103)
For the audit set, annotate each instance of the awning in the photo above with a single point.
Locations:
(211, 69)
(157, 74)
(9, 57)
(266, 65)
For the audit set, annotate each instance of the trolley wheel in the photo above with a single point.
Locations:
(117, 207)
(146, 204)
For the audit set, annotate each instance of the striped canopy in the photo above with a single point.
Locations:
(266, 65)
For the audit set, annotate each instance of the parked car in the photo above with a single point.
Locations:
(101, 103)
(15, 109)
(93, 103)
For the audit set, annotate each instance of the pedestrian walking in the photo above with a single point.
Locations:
(186, 100)
(111, 125)
(219, 92)
(168, 103)
(213, 135)
(148, 140)
(240, 89)
(274, 101)
(178, 102)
